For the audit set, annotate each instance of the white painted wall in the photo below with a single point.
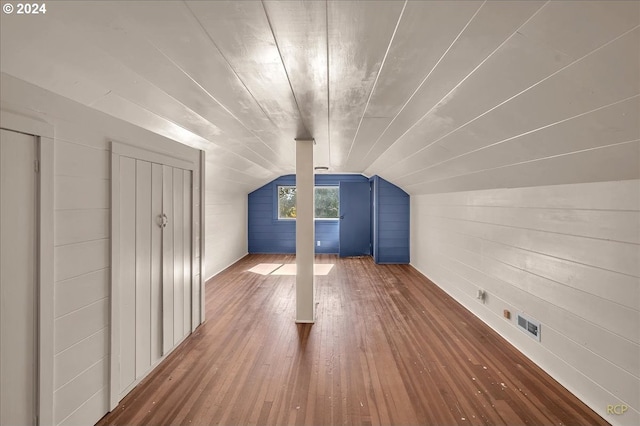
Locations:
(225, 228)
(81, 235)
(566, 255)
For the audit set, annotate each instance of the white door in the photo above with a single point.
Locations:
(18, 275)
(155, 265)
(140, 269)
(181, 230)
(177, 256)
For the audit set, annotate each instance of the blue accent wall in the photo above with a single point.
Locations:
(268, 234)
(390, 222)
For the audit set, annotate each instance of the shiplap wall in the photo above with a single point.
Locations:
(226, 229)
(390, 222)
(81, 234)
(566, 255)
(267, 234)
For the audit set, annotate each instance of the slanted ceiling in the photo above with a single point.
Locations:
(432, 95)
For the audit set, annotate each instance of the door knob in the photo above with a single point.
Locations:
(162, 220)
(341, 216)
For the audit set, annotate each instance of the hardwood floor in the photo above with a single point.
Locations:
(388, 347)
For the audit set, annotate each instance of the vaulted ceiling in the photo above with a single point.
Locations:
(432, 95)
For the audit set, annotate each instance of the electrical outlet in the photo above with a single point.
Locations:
(318, 243)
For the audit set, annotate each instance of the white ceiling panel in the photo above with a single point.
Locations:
(226, 176)
(300, 29)
(241, 33)
(572, 90)
(425, 32)
(432, 95)
(366, 135)
(605, 126)
(213, 70)
(36, 58)
(113, 28)
(359, 36)
(593, 165)
(517, 65)
(492, 25)
(576, 28)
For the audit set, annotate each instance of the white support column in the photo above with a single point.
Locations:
(305, 232)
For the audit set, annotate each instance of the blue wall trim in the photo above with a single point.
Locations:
(267, 234)
(390, 222)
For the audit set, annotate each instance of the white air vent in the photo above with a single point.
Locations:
(529, 326)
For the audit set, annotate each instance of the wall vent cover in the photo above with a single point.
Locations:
(529, 326)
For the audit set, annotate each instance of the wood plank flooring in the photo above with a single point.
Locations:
(388, 348)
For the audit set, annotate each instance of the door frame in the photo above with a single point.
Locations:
(44, 138)
(193, 164)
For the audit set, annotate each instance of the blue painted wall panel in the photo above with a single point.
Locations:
(391, 219)
(267, 234)
(390, 227)
(389, 211)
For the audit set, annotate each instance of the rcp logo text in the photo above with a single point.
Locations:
(617, 409)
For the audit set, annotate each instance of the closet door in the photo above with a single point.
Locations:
(18, 279)
(177, 256)
(140, 269)
(167, 260)
(144, 224)
(196, 301)
(187, 251)
(155, 261)
(182, 253)
(127, 282)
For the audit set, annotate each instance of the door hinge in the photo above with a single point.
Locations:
(37, 166)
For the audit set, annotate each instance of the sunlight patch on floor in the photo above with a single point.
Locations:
(322, 268)
(265, 268)
(288, 269)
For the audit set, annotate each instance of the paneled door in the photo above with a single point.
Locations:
(18, 278)
(176, 255)
(355, 219)
(155, 260)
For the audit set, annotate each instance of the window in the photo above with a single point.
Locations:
(286, 202)
(327, 202)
